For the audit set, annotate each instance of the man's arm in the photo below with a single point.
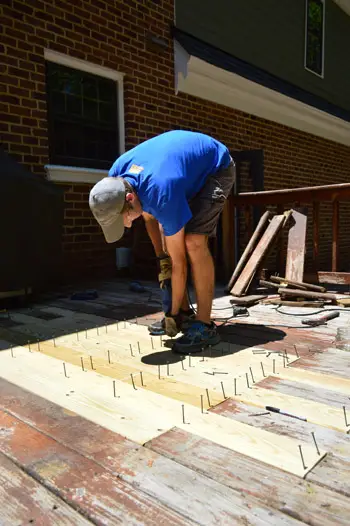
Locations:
(177, 251)
(153, 230)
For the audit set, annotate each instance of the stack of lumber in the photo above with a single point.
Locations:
(299, 294)
(290, 290)
(262, 241)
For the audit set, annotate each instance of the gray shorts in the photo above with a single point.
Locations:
(207, 205)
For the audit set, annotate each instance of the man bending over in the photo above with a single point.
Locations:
(178, 181)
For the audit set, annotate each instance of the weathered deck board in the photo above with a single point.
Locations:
(307, 391)
(317, 413)
(23, 500)
(300, 499)
(140, 466)
(333, 361)
(296, 247)
(82, 483)
(332, 472)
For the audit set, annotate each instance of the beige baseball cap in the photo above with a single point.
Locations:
(106, 201)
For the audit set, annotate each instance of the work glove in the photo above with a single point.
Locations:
(172, 325)
(164, 276)
(164, 268)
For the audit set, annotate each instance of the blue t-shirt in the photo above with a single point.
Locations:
(168, 170)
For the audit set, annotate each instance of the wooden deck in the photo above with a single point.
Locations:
(85, 438)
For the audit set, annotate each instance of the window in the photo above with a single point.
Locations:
(83, 117)
(314, 37)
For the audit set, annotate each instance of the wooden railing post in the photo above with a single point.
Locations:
(280, 257)
(316, 235)
(335, 239)
(228, 237)
(248, 219)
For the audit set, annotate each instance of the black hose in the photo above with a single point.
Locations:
(277, 309)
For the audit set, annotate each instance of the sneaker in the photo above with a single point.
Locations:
(198, 336)
(157, 328)
(187, 317)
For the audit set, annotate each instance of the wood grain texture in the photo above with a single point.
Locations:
(333, 471)
(82, 483)
(297, 284)
(249, 248)
(174, 485)
(296, 247)
(332, 362)
(257, 256)
(315, 412)
(130, 414)
(312, 378)
(313, 392)
(300, 499)
(24, 501)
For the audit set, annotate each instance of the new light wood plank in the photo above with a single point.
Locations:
(24, 500)
(200, 374)
(122, 366)
(141, 415)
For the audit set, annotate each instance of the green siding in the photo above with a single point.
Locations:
(270, 34)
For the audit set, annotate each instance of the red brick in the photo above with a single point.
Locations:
(7, 117)
(112, 34)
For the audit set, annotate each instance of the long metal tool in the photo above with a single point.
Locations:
(285, 413)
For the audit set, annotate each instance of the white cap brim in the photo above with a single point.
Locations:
(115, 230)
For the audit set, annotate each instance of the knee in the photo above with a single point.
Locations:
(195, 244)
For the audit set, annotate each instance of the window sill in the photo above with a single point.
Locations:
(73, 174)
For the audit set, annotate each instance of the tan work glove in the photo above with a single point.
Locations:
(165, 270)
(172, 325)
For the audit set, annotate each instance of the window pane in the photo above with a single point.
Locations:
(107, 113)
(90, 109)
(314, 36)
(90, 88)
(107, 91)
(74, 105)
(83, 115)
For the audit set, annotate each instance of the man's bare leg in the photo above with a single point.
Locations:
(203, 274)
(185, 305)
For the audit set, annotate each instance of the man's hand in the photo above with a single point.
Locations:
(177, 251)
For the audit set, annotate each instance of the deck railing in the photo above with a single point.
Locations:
(294, 198)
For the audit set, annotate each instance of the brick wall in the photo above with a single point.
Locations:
(114, 34)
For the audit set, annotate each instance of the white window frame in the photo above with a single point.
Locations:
(323, 39)
(72, 173)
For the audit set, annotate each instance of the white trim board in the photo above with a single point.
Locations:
(344, 5)
(72, 174)
(211, 83)
(86, 175)
(82, 65)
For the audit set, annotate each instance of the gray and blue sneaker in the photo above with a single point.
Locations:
(198, 336)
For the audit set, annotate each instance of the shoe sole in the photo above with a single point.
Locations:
(197, 347)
